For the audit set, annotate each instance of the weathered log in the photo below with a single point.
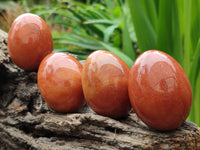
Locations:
(26, 122)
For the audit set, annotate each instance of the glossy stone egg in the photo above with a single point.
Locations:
(105, 84)
(59, 82)
(29, 41)
(159, 90)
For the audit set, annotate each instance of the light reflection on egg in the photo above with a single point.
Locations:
(29, 41)
(59, 82)
(105, 84)
(159, 90)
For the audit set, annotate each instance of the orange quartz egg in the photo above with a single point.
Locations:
(105, 84)
(159, 90)
(59, 82)
(29, 41)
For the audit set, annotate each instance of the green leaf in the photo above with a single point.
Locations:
(108, 31)
(60, 50)
(110, 4)
(164, 35)
(181, 16)
(149, 7)
(187, 39)
(86, 45)
(195, 24)
(145, 32)
(194, 65)
(196, 101)
(89, 27)
(100, 12)
(176, 34)
(169, 34)
(80, 41)
(101, 21)
(194, 79)
(127, 43)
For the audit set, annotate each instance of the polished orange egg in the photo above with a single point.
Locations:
(29, 41)
(105, 84)
(159, 90)
(59, 82)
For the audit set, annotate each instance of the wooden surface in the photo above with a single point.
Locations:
(26, 122)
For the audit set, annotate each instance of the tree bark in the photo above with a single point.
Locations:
(26, 122)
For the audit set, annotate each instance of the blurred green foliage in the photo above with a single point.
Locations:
(81, 28)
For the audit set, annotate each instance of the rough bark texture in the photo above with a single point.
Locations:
(26, 122)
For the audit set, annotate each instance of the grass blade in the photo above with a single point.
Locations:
(101, 21)
(110, 4)
(108, 31)
(150, 10)
(195, 24)
(187, 39)
(194, 65)
(92, 46)
(127, 43)
(145, 32)
(80, 41)
(164, 34)
(176, 34)
(196, 101)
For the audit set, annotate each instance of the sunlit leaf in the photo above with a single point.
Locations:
(108, 31)
(102, 21)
